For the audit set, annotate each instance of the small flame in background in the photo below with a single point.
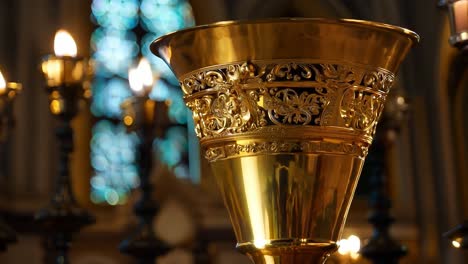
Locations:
(350, 246)
(2, 83)
(141, 77)
(64, 44)
(456, 244)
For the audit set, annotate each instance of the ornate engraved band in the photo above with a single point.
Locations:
(231, 150)
(231, 100)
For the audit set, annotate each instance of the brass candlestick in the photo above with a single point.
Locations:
(458, 19)
(147, 118)
(285, 110)
(381, 248)
(66, 79)
(8, 92)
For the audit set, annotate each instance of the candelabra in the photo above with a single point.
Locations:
(67, 83)
(8, 92)
(148, 119)
(382, 248)
(285, 110)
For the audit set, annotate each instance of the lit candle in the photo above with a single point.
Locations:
(141, 78)
(64, 68)
(350, 246)
(8, 90)
(141, 109)
(3, 87)
(460, 11)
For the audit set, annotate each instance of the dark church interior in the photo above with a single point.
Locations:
(101, 163)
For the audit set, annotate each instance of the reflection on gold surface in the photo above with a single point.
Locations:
(252, 191)
(287, 200)
(285, 111)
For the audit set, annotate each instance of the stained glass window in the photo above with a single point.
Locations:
(113, 160)
(116, 44)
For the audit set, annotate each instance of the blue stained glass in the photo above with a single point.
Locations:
(172, 148)
(178, 111)
(161, 91)
(161, 17)
(108, 95)
(182, 171)
(113, 160)
(114, 51)
(116, 14)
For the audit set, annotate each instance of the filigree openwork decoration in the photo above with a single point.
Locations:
(286, 106)
(361, 109)
(238, 98)
(230, 111)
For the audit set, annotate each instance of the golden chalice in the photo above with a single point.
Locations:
(285, 110)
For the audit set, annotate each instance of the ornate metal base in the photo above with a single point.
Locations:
(59, 223)
(144, 247)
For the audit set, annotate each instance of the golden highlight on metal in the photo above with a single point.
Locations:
(285, 110)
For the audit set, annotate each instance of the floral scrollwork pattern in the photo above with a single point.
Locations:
(231, 111)
(286, 106)
(361, 110)
(237, 98)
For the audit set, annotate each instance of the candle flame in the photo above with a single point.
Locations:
(146, 73)
(135, 81)
(2, 83)
(141, 77)
(64, 44)
(350, 246)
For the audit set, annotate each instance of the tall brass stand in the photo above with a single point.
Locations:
(146, 117)
(63, 217)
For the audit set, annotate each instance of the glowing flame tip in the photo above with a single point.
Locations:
(141, 78)
(2, 82)
(64, 44)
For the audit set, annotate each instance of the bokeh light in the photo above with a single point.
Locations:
(115, 14)
(108, 96)
(113, 160)
(116, 48)
(114, 51)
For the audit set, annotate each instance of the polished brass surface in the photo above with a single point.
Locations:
(61, 71)
(68, 79)
(285, 110)
(8, 94)
(351, 41)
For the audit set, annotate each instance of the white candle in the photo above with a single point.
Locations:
(460, 11)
